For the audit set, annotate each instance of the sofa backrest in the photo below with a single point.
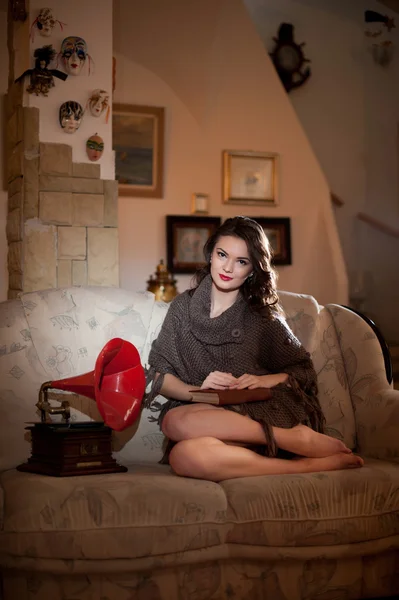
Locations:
(58, 333)
(314, 327)
(54, 334)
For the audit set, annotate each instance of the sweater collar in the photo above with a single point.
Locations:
(226, 328)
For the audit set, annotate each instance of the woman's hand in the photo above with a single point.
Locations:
(217, 380)
(259, 381)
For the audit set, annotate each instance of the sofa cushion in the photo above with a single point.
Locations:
(149, 511)
(315, 509)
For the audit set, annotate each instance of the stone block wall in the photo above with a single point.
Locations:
(62, 217)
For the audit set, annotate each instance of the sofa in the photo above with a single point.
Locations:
(148, 534)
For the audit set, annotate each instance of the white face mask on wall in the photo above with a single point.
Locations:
(45, 23)
(74, 54)
(99, 103)
(95, 147)
(70, 117)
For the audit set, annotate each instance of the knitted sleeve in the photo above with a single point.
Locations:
(164, 356)
(284, 353)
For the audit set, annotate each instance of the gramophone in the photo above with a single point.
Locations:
(66, 448)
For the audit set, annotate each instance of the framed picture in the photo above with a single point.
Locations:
(278, 232)
(249, 177)
(199, 203)
(138, 142)
(185, 238)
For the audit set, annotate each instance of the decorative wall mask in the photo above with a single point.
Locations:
(41, 77)
(289, 59)
(378, 31)
(95, 147)
(74, 54)
(98, 103)
(70, 116)
(45, 23)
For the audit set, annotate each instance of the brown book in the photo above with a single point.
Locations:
(222, 397)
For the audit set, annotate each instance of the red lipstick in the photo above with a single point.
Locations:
(225, 278)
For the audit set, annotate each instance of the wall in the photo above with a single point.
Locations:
(349, 109)
(3, 186)
(92, 21)
(204, 62)
(62, 215)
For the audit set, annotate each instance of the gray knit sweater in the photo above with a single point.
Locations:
(240, 340)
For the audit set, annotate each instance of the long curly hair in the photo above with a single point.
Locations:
(259, 289)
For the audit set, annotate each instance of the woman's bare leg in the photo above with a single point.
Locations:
(199, 420)
(209, 458)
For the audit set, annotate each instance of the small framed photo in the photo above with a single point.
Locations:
(199, 204)
(185, 238)
(250, 177)
(138, 142)
(278, 232)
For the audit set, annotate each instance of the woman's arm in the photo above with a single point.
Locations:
(174, 388)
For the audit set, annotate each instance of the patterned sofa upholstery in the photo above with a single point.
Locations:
(148, 534)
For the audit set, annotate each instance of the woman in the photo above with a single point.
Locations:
(228, 333)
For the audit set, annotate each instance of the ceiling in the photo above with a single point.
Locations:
(392, 4)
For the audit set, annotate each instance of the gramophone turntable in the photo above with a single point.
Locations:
(117, 384)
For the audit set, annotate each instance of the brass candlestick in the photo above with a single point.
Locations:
(162, 285)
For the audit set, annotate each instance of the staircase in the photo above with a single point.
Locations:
(394, 350)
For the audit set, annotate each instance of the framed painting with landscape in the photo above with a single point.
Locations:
(138, 142)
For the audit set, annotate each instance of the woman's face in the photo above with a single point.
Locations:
(230, 263)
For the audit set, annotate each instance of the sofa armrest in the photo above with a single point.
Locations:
(377, 425)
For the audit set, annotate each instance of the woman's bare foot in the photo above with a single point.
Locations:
(304, 441)
(335, 462)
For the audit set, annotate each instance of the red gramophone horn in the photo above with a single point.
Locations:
(117, 384)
